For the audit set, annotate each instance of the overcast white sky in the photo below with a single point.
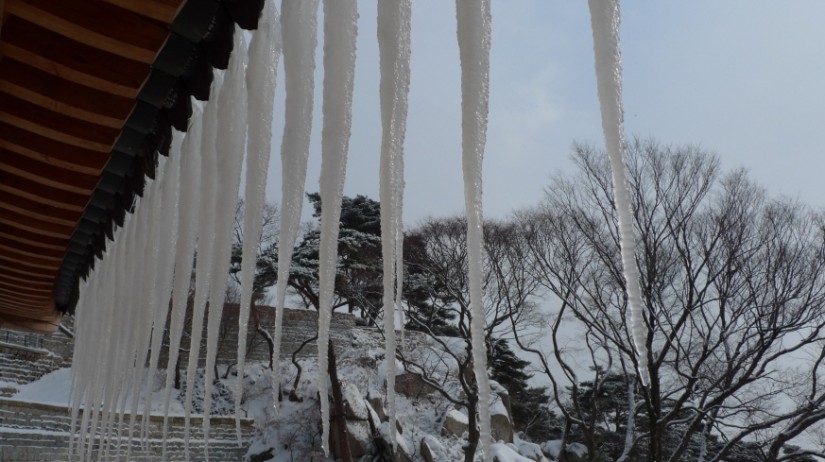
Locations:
(743, 79)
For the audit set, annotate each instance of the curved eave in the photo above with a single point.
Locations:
(89, 94)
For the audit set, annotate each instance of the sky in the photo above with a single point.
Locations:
(742, 79)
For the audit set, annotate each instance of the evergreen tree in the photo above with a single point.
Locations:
(529, 405)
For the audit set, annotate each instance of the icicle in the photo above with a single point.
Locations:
(298, 27)
(188, 207)
(473, 23)
(169, 225)
(394, 51)
(203, 267)
(230, 148)
(340, 31)
(605, 20)
(264, 54)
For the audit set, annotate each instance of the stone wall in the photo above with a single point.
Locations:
(40, 432)
(21, 364)
(299, 325)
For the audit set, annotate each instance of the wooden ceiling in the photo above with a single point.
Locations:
(89, 91)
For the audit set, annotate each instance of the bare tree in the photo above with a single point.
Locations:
(439, 266)
(734, 294)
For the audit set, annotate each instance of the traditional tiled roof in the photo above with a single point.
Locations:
(89, 93)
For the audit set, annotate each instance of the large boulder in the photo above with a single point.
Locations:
(411, 385)
(355, 407)
(401, 452)
(501, 425)
(432, 450)
(456, 423)
(359, 437)
(377, 405)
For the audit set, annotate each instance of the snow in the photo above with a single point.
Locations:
(501, 452)
(458, 416)
(605, 19)
(264, 55)
(473, 29)
(53, 389)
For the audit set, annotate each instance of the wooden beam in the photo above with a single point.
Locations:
(34, 226)
(32, 274)
(46, 174)
(76, 128)
(59, 106)
(21, 253)
(44, 149)
(58, 70)
(40, 193)
(110, 29)
(51, 133)
(53, 93)
(44, 246)
(156, 10)
(46, 213)
(13, 286)
(40, 281)
(79, 57)
(11, 294)
(29, 261)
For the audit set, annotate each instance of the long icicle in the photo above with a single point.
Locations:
(340, 32)
(231, 144)
(203, 267)
(605, 20)
(264, 54)
(188, 205)
(394, 56)
(298, 25)
(473, 24)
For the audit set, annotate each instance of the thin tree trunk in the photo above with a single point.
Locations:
(338, 416)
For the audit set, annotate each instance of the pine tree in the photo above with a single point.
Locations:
(529, 405)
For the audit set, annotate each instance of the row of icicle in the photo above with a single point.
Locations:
(125, 303)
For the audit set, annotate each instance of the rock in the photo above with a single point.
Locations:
(501, 421)
(378, 406)
(411, 386)
(455, 423)
(531, 451)
(358, 435)
(354, 406)
(432, 450)
(401, 453)
(262, 456)
(574, 452)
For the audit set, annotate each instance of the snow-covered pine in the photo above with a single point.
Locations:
(299, 38)
(394, 61)
(473, 30)
(340, 32)
(605, 20)
(264, 54)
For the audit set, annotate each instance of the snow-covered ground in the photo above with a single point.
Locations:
(294, 431)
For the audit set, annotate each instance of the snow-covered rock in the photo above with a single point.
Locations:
(432, 450)
(354, 406)
(456, 423)
(531, 451)
(504, 453)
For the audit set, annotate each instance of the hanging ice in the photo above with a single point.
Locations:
(340, 31)
(298, 26)
(605, 20)
(231, 143)
(473, 19)
(188, 206)
(203, 266)
(264, 54)
(394, 54)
